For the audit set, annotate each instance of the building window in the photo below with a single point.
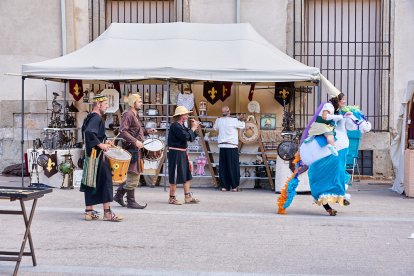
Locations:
(349, 40)
(104, 12)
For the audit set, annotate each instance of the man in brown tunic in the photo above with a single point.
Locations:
(133, 132)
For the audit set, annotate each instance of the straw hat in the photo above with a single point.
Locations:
(133, 98)
(181, 110)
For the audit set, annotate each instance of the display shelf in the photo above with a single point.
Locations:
(153, 116)
(63, 128)
(158, 104)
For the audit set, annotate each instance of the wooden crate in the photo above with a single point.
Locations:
(409, 173)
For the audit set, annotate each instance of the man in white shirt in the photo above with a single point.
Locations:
(228, 143)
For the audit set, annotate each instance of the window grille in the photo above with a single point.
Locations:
(349, 40)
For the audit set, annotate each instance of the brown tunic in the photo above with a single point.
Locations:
(131, 129)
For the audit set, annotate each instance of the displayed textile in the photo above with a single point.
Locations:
(186, 100)
(216, 90)
(76, 89)
(284, 92)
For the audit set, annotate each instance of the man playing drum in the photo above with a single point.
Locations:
(133, 132)
(179, 167)
(99, 189)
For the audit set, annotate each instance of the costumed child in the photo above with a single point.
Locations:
(326, 120)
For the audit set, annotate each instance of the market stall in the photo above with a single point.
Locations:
(171, 53)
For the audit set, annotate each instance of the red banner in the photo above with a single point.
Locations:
(76, 89)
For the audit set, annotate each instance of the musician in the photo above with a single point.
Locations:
(133, 132)
(179, 167)
(100, 191)
(228, 143)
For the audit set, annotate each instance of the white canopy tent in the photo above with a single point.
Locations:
(186, 51)
(398, 144)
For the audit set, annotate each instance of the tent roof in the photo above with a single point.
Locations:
(185, 51)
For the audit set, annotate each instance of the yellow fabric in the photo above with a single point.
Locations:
(181, 110)
(99, 98)
(319, 128)
(330, 199)
(133, 98)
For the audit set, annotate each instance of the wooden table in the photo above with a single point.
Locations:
(22, 195)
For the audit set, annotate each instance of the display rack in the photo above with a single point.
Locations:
(212, 166)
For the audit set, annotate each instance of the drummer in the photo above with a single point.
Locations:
(101, 190)
(132, 130)
(179, 166)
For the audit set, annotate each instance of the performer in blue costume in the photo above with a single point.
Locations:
(327, 171)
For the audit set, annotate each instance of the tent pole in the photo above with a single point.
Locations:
(22, 137)
(64, 100)
(166, 133)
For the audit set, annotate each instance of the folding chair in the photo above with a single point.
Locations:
(352, 156)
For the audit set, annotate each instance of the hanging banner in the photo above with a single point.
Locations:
(76, 89)
(284, 92)
(50, 168)
(217, 90)
(251, 91)
(226, 86)
(212, 91)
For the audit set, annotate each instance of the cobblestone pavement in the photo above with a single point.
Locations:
(227, 234)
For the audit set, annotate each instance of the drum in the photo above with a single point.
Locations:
(153, 149)
(118, 160)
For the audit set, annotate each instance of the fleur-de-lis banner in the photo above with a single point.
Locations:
(76, 89)
(51, 167)
(217, 90)
(226, 90)
(284, 92)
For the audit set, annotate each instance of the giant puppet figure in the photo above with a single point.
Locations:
(327, 166)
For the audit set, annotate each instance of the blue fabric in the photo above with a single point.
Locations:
(327, 176)
(291, 191)
(321, 139)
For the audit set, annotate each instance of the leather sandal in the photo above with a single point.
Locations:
(173, 200)
(91, 215)
(189, 199)
(237, 189)
(114, 218)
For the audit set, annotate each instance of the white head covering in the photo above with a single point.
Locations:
(331, 89)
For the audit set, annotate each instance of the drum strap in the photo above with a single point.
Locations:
(134, 155)
(186, 153)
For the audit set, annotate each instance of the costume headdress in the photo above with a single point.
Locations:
(331, 89)
(99, 98)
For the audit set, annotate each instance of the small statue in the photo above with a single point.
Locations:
(201, 162)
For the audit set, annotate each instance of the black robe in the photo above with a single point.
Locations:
(93, 130)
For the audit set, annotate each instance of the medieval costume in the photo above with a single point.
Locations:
(131, 130)
(179, 167)
(93, 130)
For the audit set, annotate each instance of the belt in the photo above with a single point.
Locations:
(227, 143)
(179, 149)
